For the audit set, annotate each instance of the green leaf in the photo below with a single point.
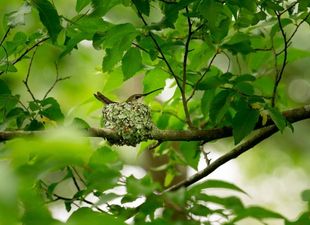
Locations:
(85, 215)
(79, 123)
(4, 88)
(144, 186)
(143, 6)
(277, 118)
(103, 156)
(49, 17)
(230, 202)
(153, 80)
(51, 109)
(191, 153)
(215, 184)
(305, 195)
(219, 106)
(101, 7)
(239, 43)
(206, 100)
(18, 17)
(243, 123)
(131, 63)
(81, 4)
(258, 213)
(116, 41)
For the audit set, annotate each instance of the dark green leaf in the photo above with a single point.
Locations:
(206, 100)
(243, 123)
(34, 125)
(81, 4)
(48, 16)
(143, 6)
(191, 153)
(131, 63)
(219, 106)
(239, 43)
(277, 118)
(4, 89)
(51, 109)
(101, 7)
(305, 195)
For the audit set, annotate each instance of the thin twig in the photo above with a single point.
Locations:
(160, 51)
(27, 77)
(234, 153)
(202, 76)
(145, 50)
(74, 179)
(27, 51)
(284, 62)
(55, 82)
(5, 36)
(183, 90)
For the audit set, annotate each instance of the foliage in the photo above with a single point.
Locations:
(178, 41)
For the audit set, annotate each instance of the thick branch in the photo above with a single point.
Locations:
(240, 149)
(293, 115)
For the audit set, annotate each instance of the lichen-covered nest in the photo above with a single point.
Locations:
(130, 120)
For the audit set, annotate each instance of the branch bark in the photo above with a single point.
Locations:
(240, 149)
(293, 115)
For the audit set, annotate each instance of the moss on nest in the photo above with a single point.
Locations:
(130, 120)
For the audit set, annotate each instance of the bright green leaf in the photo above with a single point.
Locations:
(131, 63)
(191, 153)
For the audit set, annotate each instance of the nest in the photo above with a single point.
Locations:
(130, 120)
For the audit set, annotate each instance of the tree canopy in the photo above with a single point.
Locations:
(202, 70)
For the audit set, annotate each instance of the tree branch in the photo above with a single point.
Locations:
(234, 153)
(183, 90)
(26, 52)
(293, 115)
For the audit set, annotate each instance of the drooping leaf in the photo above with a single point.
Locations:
(215, 184)
(143, 6)
(277, 118)
(257, 213)
(243, 123)
(191, 153)
(219, 106)
(49, 17)
(131, 63)
(51, 109)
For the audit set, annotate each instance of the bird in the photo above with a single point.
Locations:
(132, 98)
